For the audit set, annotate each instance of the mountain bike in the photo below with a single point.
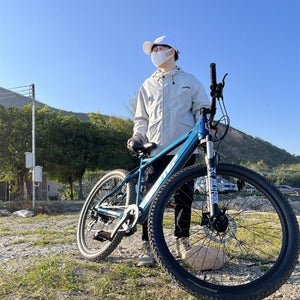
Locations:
(247, 224)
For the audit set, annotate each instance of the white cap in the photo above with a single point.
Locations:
(163, 40)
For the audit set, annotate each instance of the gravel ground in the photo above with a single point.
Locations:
(19, 236)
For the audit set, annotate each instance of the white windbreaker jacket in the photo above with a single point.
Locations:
(168, 105)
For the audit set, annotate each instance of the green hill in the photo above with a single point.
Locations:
(237, 147)
(240, 147)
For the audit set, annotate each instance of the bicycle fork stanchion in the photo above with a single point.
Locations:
(215, 219)
(211, 163)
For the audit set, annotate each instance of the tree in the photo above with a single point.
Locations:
(72, 146)
(131, 107)
(116, 132)
(15, 140)
(65, 146)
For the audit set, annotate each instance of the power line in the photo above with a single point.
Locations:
(8, 97)
(16, 94)
(25, 91)
(18, 87)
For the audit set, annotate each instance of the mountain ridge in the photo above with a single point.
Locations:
(237, 146)
(240, 147)
(11, 99)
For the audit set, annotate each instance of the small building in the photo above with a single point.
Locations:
(45, 191)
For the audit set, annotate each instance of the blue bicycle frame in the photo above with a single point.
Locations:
(189, 142)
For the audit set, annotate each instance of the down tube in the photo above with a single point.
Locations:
(175, 165)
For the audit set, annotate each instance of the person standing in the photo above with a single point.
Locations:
(168, 105)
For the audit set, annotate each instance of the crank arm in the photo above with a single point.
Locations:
(130, 211)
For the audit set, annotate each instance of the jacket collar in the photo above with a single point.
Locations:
(159, 75)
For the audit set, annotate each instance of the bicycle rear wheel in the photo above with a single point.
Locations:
(248, 254)
(91, 244)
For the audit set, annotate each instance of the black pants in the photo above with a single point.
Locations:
(183, 197)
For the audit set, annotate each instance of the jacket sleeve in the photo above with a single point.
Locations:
(141, 118)
(199, 100)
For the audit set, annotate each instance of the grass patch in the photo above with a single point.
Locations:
(40, 280)
(4, 231)
(59, 278)
(14, 233)
(21, 241)
(51, 237)
(50, 241)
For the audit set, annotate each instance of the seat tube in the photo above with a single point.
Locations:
(139, 185)
(211, 181)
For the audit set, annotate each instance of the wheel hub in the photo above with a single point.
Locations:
(221, 236)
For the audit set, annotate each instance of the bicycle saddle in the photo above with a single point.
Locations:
(142, 148)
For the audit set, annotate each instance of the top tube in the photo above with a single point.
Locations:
(200, 129)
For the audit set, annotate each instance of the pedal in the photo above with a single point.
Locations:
(102, 236)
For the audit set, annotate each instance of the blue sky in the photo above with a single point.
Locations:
(86, 56)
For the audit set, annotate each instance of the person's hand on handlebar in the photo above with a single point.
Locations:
(134, 138)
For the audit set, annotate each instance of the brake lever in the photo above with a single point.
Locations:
(217, 92)
(223, 80)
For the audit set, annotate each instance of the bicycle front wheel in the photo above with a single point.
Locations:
(91, 244)
(248, 253)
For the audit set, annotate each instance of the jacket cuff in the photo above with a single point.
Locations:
(140, 137)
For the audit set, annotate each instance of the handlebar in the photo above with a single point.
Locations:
(213, 76)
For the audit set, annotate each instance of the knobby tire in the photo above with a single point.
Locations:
(97, 249)
(260, 244)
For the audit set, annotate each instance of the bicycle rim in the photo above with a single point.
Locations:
(91, 244)
(249, 257)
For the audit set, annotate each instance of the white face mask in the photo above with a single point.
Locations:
(158, 58)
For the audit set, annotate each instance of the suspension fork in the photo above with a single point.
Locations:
(211, 160)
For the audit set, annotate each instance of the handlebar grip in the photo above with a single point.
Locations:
(213, 75)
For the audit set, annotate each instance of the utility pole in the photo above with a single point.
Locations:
(33, 145)
(37, 175)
